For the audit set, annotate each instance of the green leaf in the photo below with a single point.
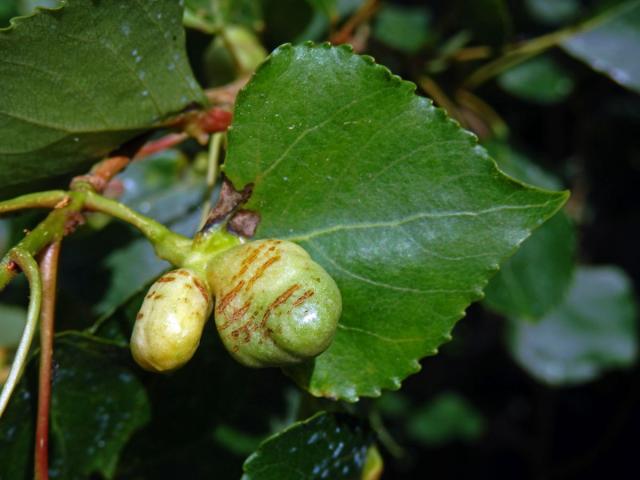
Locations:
(592, 331)
(608, 47)
(17, 433)
(97, 404)
(403, 28)
(217, 410)
(80, 80)
(401, 206)
(324, 446)
(447, 418)
(537, 277)
(539, 80)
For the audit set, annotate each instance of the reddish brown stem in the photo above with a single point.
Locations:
(102, 173)
(155, 146)
(49, 272)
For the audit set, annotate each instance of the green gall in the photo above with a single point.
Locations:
(170, 322)
(275, 306)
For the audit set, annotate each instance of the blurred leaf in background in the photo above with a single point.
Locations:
(447, 418)
(540, 80)
(553, 12)
(610, 47)
(404, 28)
(594, 330)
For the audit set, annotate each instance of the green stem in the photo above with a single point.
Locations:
(168, 245)
(49, 230)
(33, 200)
(26, 262)
(212, 173)
(394, 448)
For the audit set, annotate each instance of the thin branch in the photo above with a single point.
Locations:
(161, 144)
(49, 199)
(60, 222)
(29, 266)
(474, 103)
(64, 220)
(530, 48)
(101, 174)
(469, 54)
(437, 94)
(213, 169)
(49, 273)
(168, 245)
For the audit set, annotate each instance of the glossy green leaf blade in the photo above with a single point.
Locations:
(324, 446)
(79, 80)
(592, 331)
(97, 404)
(403, 208)
(611, 46)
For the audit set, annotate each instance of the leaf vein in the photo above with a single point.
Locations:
(305, 132)
(388, 286)
(411, 218)
(380, 337)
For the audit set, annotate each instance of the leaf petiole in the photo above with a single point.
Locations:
(28, 265)
(213, 168)
(48, 199)
(168, 245)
